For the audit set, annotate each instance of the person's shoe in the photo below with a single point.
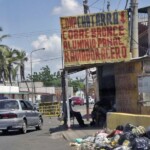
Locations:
(83, 125)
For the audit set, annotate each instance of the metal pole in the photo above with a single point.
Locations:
(134, 28)
(85, 6)
(87, 98)
(67, 97)
(31, 69)
(108, 5)
(31, 78)
(148, 30)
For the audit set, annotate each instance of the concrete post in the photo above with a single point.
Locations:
(134, 28)
(85, 6)
(148, 10)
(67, 97)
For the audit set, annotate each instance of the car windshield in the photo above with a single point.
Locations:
(9, 104)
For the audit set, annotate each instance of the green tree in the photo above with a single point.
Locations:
(3, 36)
(77, 84)
(11, 60)
(54, 79)
(21, 59)
(46, 76)
(3, 60)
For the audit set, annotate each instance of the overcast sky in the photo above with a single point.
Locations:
(35, 24)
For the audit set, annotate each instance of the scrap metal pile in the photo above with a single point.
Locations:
(128, 137)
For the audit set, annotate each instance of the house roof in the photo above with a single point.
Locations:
(143, 10)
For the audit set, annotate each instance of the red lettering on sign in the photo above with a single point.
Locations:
(64, 35)
(117, 52)
(121, 30)
(67, 57)
(69, 22)
(124, 52)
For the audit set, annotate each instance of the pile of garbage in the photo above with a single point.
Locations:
(128, 137)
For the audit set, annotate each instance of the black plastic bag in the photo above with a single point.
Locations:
(148, 132)
(126, 136)
(141, 143)
(128, 127)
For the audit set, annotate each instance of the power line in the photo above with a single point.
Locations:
(30, 34)
(104, 5)
(93, 3)
(126, 4)
(118, 5)
(46, 59)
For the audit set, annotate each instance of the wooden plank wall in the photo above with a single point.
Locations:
(126, 82)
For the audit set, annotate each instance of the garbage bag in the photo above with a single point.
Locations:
(139, 131)
(88, 139)
(87, 146)
(120, 127)
(128, 127)
(107, 147)
(129, 136)
(122, 148)
(148, 132)
(115, 132)
(141, 143)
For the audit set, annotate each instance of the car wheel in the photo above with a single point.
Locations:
(40, 124)
(4, 131)
(24, 127)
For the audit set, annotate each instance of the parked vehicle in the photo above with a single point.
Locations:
(19, 114)
(90, 99)
(77, 100)
(36, 105)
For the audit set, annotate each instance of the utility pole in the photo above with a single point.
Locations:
(134, 28)
(67, 97)
(108, 5)
(86, 8)
(148, 30)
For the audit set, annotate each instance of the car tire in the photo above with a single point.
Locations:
(24, 127)
(4, 131)
(40, 124)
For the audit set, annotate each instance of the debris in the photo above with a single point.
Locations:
(129, 137)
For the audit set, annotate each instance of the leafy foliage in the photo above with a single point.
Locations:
(77, 84)
(10, 61)
(46, 77)
(54, 79)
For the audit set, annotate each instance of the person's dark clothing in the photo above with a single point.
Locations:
(77, 115)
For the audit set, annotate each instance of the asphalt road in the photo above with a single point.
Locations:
(38, 140)
(35, 140)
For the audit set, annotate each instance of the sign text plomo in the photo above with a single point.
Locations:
(95, 38)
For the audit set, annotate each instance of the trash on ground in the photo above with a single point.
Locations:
(128, 137)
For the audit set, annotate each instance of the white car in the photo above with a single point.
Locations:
(19, 114)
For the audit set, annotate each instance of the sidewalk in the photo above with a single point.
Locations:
(74, 132)
(77, 132)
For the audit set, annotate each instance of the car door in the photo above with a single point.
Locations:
(26, 112)
(33, 113)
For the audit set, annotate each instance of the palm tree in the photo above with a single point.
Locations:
(4, 62)
(3, 36)
(3, 68)
(21, 58)
(10, 59)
